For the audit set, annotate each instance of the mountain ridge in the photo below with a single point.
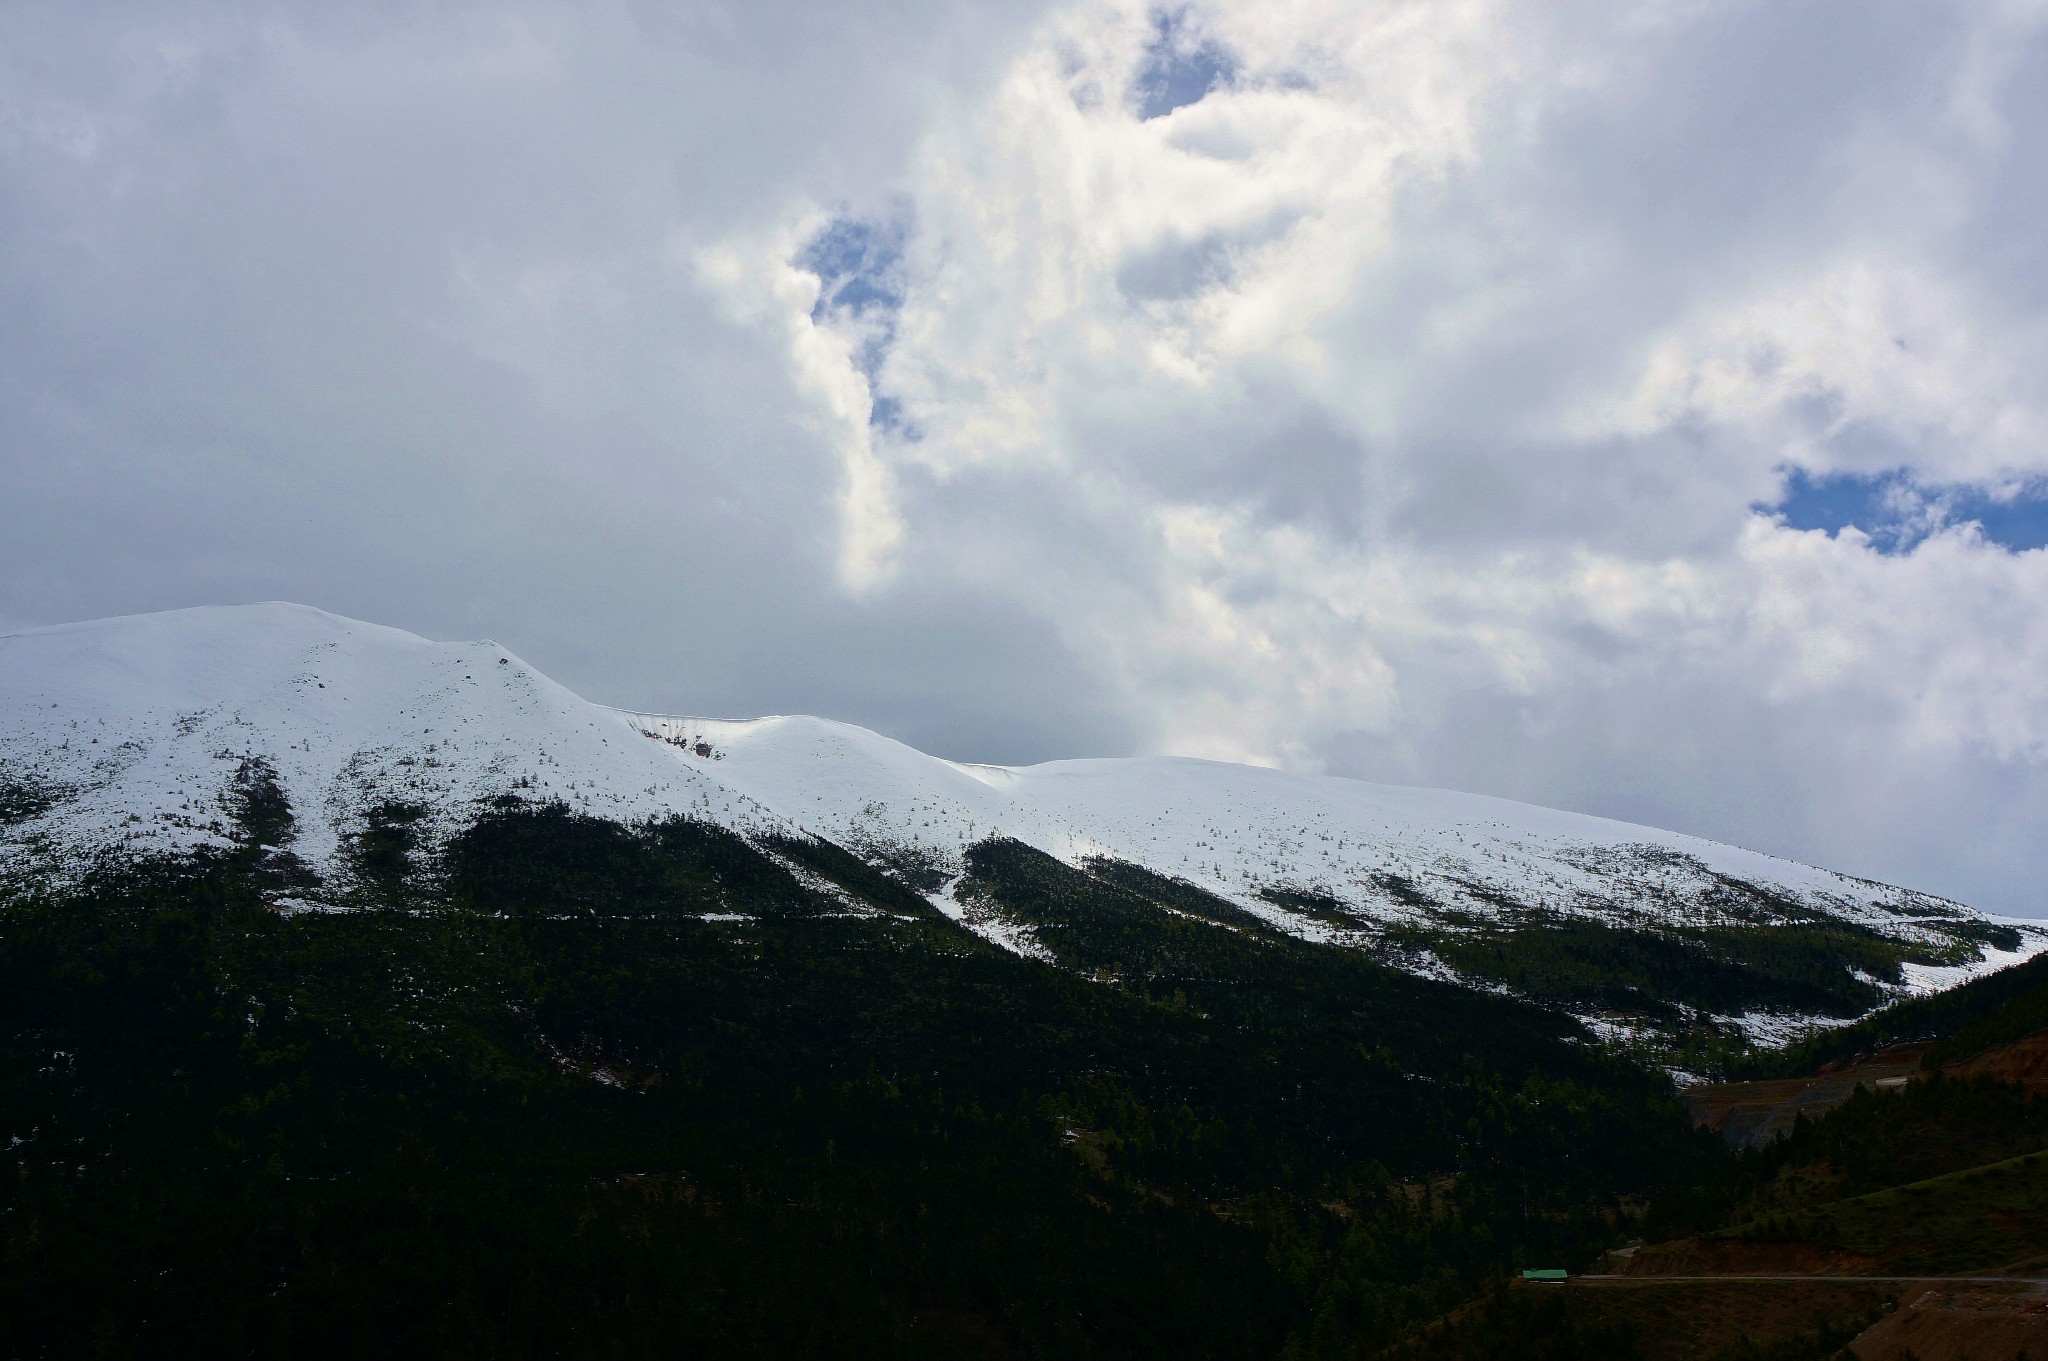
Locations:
(129, 735)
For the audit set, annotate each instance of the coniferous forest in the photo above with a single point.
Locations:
(528, 1101)
(563, 1087)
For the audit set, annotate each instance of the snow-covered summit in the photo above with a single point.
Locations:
(125, 732)
(129, 733)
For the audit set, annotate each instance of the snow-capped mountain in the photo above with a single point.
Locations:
(129, 734)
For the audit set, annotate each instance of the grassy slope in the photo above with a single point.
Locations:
(1988, 1218)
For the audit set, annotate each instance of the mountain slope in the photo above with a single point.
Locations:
(584, 1090)
(628, 1035)
(1380, 853)
(142, 733)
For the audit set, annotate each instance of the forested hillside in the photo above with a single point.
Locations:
(576, 1089)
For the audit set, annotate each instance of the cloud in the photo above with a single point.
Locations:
(1612, 406)
(400, 313)
(1414, 377)
(1844, 369)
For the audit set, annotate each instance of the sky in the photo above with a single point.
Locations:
(1637, 407)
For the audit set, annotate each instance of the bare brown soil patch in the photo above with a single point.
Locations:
(2024, 1060)
(1744, 1257)
(1748, 1114)
(1960, 1324)
(1665, 1320)
(1688, 1319)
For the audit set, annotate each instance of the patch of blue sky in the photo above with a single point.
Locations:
(859, 265)
(859, 268)
(1897, 512)
(1180, 67)
(886, 413)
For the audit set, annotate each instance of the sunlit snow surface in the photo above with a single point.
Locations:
(1244, 832)
(134, 728)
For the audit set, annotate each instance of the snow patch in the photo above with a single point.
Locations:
(985, 922)
(1921, 979)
